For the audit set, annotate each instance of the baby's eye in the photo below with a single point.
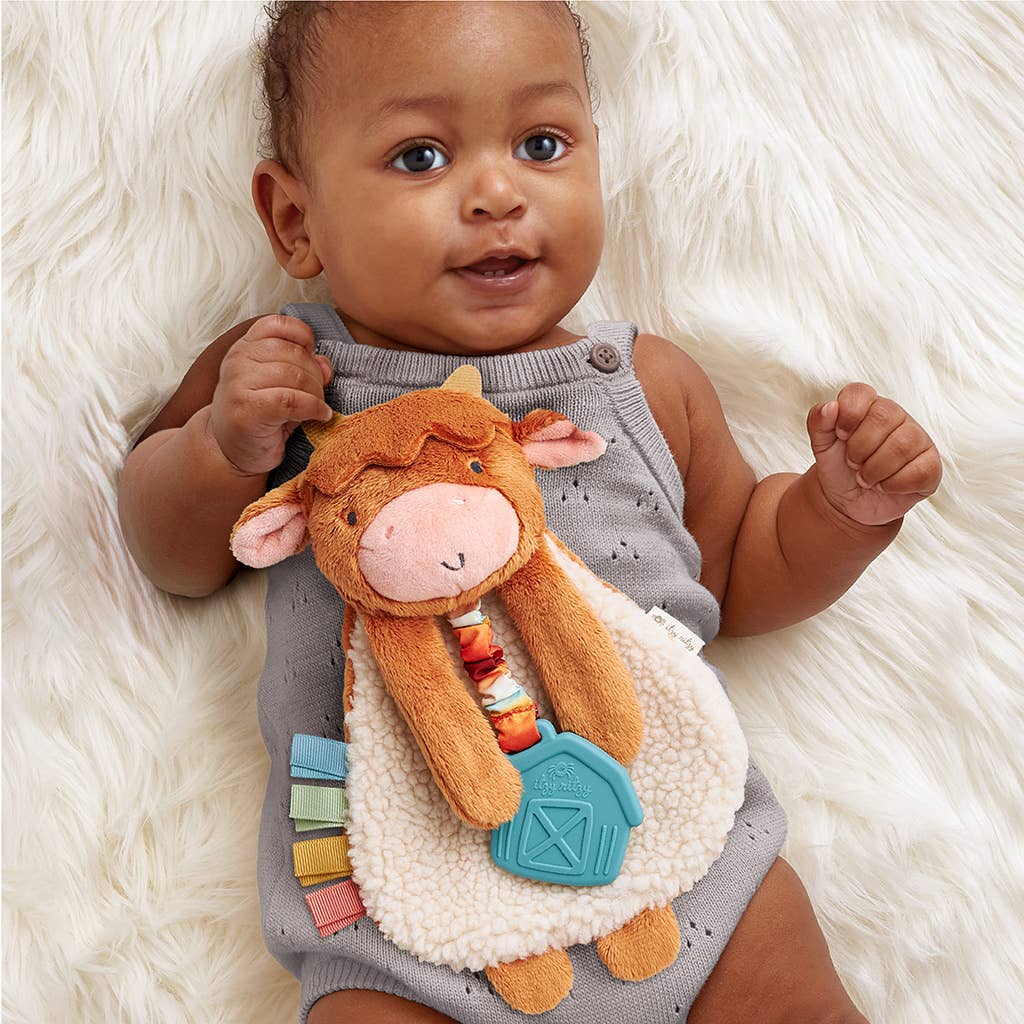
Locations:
(420, 158)
(540, 147)
(476, 467)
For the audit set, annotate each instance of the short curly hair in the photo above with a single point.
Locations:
(287, 56)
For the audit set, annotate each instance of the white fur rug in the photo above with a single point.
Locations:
(801, 195)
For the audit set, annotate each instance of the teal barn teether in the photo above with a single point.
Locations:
(577, 811)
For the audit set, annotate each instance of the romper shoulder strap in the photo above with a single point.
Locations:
(619, 335)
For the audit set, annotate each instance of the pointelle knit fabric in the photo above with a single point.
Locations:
(623, 516)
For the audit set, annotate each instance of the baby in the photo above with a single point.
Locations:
(438, 164)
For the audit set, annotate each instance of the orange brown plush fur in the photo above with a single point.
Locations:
(416, 508)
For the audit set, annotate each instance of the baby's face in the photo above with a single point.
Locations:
(444, 134)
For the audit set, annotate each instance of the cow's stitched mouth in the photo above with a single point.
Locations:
(456, 568)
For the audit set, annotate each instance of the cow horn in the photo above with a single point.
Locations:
(466, 379)
(317, 430)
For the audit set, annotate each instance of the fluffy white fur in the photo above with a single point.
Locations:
(799, 195)
(409, 850)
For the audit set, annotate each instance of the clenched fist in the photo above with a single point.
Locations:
(270, 381)
(874, 462)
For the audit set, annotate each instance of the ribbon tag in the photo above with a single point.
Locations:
(676, 629)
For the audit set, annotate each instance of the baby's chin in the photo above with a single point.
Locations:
(494, 331)
(484, 332)
(499, 342)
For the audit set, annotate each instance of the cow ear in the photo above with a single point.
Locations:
(550, 440)
(272, 528)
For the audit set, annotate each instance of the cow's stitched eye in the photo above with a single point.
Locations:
(476, 467)
(351, 518)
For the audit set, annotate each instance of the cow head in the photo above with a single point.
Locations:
(419, 505)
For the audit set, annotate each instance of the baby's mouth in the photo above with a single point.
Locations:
(496, 266)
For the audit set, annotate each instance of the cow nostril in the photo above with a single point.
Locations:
(458, 501)
(388, 532)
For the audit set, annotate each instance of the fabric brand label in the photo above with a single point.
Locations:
(676, 630)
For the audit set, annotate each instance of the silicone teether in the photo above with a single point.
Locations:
(576, 814)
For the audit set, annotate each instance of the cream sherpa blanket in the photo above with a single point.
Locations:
(409, 850)
(800, 196)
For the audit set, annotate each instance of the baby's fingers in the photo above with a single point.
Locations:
(821, 426)
(880, 419)
(274, 356)
(853, 402)
(303, 374)
(273, 337)
(284, 405)
(289, 328)
(900, 448)
(919, 476)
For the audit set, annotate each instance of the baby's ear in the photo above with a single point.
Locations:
(550, 440)
(272, 528)
(281, 201)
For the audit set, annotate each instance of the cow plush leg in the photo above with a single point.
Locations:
(644, 945)
(535, 984)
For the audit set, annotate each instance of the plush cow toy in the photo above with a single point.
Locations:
(422, 507)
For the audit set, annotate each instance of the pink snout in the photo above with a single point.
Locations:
(437, 541)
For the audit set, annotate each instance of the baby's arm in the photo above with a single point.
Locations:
(207, 453)
(777, 551)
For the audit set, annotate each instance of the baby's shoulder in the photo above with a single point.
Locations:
(667, 375)
(666, 364)
(681, 397)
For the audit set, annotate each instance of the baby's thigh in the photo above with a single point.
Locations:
(366, 1007)
(776, 967)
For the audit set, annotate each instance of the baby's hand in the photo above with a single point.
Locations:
(874, 462)
(270, 381)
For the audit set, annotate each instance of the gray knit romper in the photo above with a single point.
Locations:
(621, 514)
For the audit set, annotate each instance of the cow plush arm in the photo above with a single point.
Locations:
(457, 742)
(590, 688)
